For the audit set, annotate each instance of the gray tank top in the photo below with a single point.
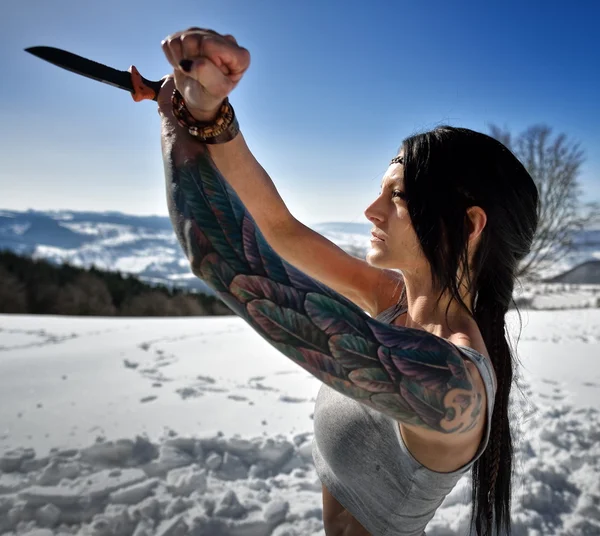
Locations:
(361, 458)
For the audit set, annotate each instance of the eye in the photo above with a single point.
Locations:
(398, 193)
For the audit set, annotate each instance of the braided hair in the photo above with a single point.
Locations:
(466, 168)
(494, 467)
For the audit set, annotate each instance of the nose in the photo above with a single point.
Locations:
(374, 214)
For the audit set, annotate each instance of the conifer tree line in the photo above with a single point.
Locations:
(35, 286)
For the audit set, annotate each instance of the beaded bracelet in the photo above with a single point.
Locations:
(222, 129)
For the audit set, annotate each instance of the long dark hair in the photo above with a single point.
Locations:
(446, 171)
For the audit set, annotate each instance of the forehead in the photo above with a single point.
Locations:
(394, 176)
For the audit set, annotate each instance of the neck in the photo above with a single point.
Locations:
(444, 318)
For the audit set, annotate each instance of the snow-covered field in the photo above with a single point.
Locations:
(117, 426)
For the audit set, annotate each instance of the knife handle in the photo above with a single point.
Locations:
(143, 89)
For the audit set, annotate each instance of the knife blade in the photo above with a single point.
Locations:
(139, 87)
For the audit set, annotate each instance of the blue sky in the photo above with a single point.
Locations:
(332, 90)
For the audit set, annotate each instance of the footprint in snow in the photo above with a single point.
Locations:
(238, 398)
(206, 379)
(166, 363)
(209, 389)
(260, 387)
(291, 399)
(157, 377)
(189, 392)
(162, 359)
(551, 382)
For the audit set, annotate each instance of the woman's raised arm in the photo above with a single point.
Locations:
(373, 289)
(410, 375)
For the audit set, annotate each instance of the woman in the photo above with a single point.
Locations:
(415, 393)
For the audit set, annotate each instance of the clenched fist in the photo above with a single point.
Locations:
(207, 67)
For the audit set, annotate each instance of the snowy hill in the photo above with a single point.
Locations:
(587, 272)
(142, 245)
(146, 245)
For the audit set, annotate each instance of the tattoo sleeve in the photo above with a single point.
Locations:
(408, 374)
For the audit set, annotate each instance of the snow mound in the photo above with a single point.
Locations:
(267, 486)
(179, 486)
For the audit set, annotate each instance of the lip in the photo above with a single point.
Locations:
(376, 238)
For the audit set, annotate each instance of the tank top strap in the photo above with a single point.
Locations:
(391, 313)
(484, 365)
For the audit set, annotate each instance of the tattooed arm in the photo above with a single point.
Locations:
(410, 375)
(372, 289)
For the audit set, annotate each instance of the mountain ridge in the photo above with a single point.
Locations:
(146, 246)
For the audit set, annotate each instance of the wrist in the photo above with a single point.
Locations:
(221, 128)
(204, 115)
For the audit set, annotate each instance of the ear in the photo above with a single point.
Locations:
(477, 220)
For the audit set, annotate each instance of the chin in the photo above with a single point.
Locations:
(381, 259)
(376, 258)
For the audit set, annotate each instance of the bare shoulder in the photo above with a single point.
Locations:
(446, 452)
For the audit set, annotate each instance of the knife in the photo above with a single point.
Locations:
(131, 80)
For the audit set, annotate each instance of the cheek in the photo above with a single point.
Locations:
(405, 240)
(403, 227)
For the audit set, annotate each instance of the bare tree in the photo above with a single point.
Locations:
(554, 163)
(87, 295)
(185, 305)
(148, 303)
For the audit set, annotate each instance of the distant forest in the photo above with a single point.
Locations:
(29, 286)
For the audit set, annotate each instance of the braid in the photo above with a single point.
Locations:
(496, 431)
(492, 472)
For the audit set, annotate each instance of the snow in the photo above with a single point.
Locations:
(551, 296)
(136, 264)
(92, 228)
(144, 426)
(18, 229)
(106, 259)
